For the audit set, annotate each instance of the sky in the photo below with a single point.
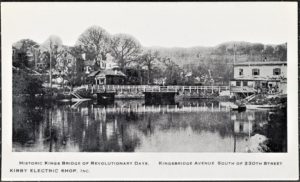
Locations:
(174, 24)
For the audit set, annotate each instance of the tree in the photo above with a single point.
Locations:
(221, 49)
(172, 72)
(257, 48)
(243, 48)
(23, 83)
(52, 42)
(269, 50)
(21, 50)
(77, 52)
(95, 41)
(52, 46)
(25, 44)
(281, 52)
(148, 59)
(125, 48)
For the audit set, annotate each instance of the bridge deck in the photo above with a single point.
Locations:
(153, 88)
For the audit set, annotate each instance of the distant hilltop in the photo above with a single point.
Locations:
(224, 52)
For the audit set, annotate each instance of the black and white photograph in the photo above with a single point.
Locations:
(169, 78)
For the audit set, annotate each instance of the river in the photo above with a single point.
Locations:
(132, 126)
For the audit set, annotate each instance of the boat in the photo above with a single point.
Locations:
(78, 100)
(65, 100)
(240, 108)
(264, 106)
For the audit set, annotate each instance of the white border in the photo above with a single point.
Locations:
(287, 171)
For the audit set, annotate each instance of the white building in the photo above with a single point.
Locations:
(250, 77)
(109, 63)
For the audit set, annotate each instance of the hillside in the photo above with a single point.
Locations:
(224, 52)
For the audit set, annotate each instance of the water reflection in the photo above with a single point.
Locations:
(132, 126)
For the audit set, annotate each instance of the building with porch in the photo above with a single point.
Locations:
(107, 77)
(108, 73)
(252, 77)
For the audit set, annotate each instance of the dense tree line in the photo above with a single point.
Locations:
(142, 65)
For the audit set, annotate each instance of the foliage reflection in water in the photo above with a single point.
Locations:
(131, 126)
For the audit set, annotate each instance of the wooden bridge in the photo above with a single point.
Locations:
(153, 94)
(154, 88)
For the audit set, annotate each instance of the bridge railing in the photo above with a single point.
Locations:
(155, 88)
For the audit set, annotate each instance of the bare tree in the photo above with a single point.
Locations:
(125, 48)
(172, 71)
(54, 46)
(95, 39)
(148, 59)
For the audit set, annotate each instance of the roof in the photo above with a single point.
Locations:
(109, 72)
(88, 63)
(94, 73)
(270, 63)
(257, 78)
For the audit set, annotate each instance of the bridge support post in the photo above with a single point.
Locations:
(158, 98)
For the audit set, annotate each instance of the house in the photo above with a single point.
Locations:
(91, 65)
(251, 77)
(42, 61)
(65, 62)
(107, 77)
(108, 73)
(109, 63)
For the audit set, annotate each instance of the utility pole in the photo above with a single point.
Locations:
(50, 74)
(234, 56)
(234, 60)
(50, 70)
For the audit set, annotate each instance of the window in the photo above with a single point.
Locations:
(264, 85)
(101, 81)
(241, 71)
(241, 127)
(245, 83)
(255, 71)
(276, 71)
(238, 83)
